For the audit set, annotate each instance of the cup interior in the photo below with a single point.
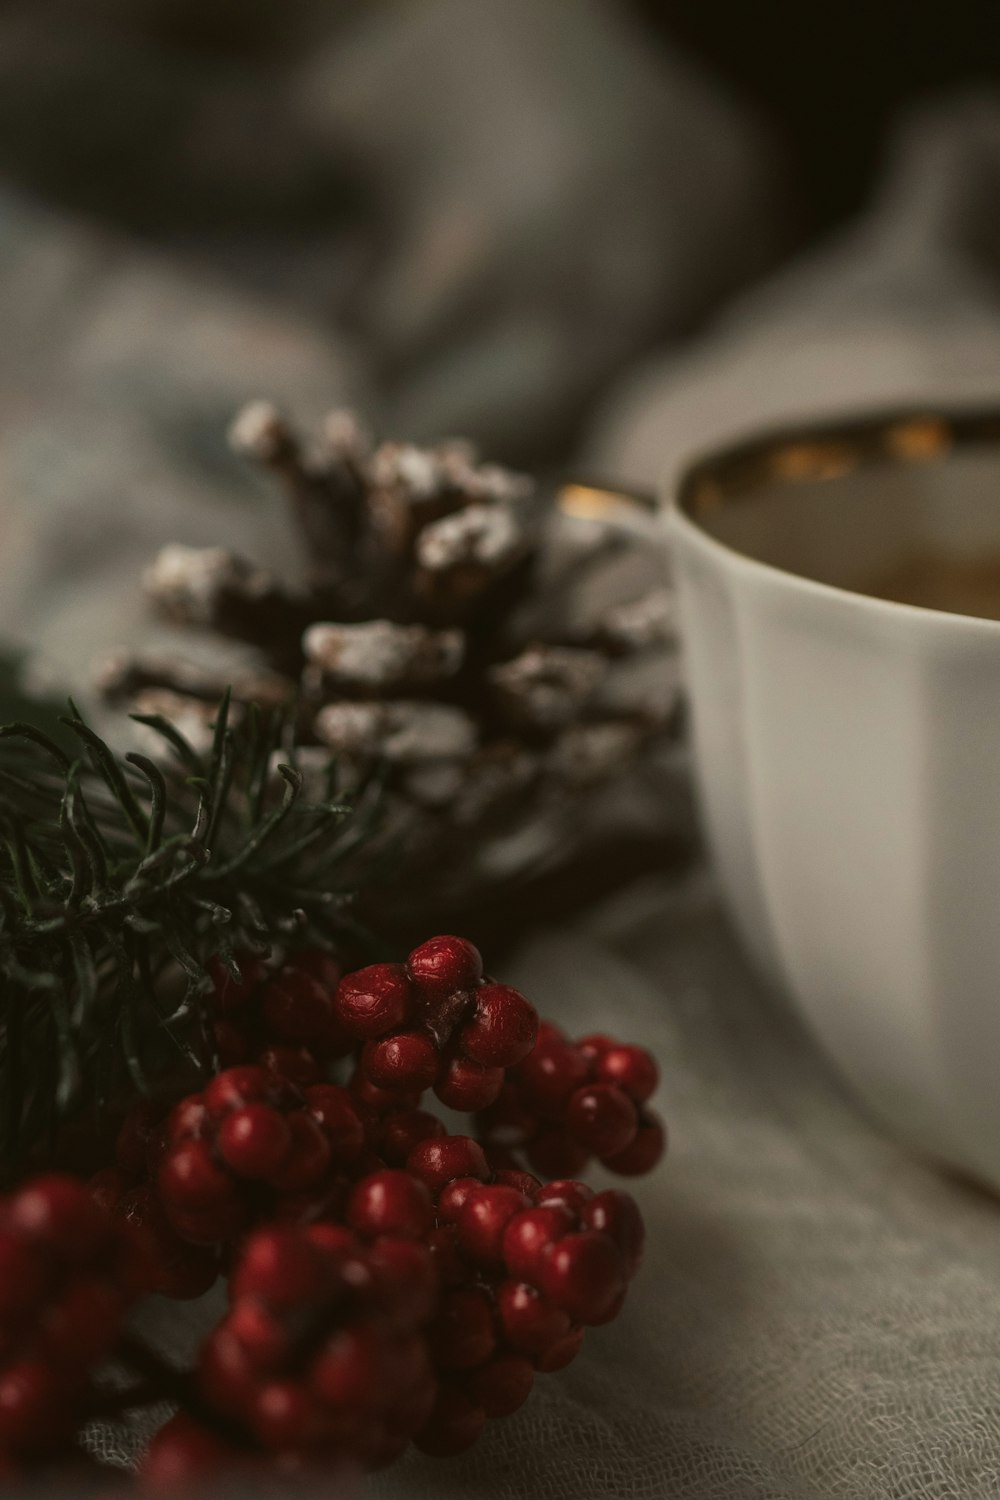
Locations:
(905, 508)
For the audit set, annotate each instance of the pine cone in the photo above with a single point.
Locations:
(446, 632)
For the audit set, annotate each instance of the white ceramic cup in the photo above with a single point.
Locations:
(848, 751)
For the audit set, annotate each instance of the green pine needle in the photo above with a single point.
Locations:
(118, 882)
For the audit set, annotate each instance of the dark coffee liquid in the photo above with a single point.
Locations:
(960, 585)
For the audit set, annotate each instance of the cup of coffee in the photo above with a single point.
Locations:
(839, 594)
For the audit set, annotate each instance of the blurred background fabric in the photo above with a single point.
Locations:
(596, 237)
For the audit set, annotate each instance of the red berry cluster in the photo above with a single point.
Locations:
(321, 1350)
(389, 1282)
(67, 1278)
(434, 1022)
(283, 1019)
(251, 1146)
(567, 1102)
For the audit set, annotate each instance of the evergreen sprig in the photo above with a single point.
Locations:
(119, 880)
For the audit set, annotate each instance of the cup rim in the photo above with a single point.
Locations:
(826, 450)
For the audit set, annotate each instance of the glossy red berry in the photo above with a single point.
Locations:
(602, 1118)
(307, 1162)
(453, 1197)
(442, 965)
(583, 1274)
(236, 1087)
(333, 1110)
(643, 1153)
(503, 1027)
(191, 1178)
(561, 1354)
(58, 1213)
(594, 1046)
(617, 1215)
(407, 1276)
(528, 1237)
(402, 1131)
(286, 1414)
(482, 1220)
(281, 1268)
(296, 1007)
(550, 1073)
(405, 1060)
(390, 1202)
(629, 1068)
(254, 1140)
(24, 1275)
(468, 1086)
(35, 1411)
(438, 1161)
(531, 1323)
(294, 1064)
(350, 1370)
(375, 1000)
(182, 1457)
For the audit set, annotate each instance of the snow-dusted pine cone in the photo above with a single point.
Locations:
(455, 628)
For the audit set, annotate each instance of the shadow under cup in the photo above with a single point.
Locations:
(840, 603)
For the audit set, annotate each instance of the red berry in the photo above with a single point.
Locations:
(58, 1213)
(375, 1000)
(34, 1410)
(482, 1221)
(183, 1457)
(236, 1087)
(617, 1215)
(255, 1140)
(631, 1069)
(227, 1376)
(296, 1065)
(320, 965)
(455, 1422)
(466, 1085)
(644, 1151)
(594, 1046)
(287, 1415)
(503, 1028)
(561, 1354)
(438, 1161)
(166, 1263)
(189, 1119)
(550, 1073)
(296, 1007)
(602, 1118)
(349, 1372)
(231, 1043)
(404, 1060)
(190, 1177)
(380, 1101)
(402, 1131)
(566, 1193)
(282, 1268)
(442, 965)
(453, 1197)
(503, 1385)
(515, 1178)
(81, 1327)
(308, 1159)
(390, 1202)
(531, 1323)
(407, 1275)
(464, 1332)
(583, 1274)
(261, 1335)
(333, 1110)
(528, 1237)
(231, 993)
(24, 1275)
